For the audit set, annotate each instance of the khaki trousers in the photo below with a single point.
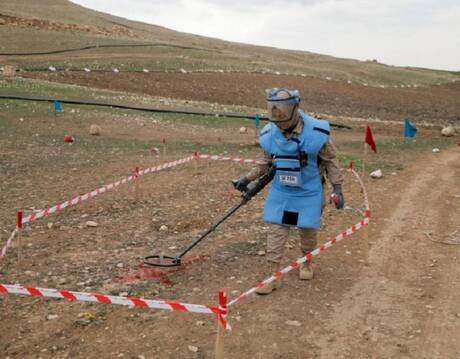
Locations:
(278, 235)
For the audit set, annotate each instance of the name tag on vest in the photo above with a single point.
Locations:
(289, 180)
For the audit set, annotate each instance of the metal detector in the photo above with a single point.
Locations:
(251, 190)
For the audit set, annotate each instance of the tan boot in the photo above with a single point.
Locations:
(306, 271)
(272, 268)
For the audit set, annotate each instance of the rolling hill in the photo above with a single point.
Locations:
(37, 26)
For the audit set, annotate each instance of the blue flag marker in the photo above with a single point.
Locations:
(409, 129)
(57, 106)
(257, 120)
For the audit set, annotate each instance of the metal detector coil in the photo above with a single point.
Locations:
(162, 261)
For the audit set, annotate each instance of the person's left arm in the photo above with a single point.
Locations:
(329, 166)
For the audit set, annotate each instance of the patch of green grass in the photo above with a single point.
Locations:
(40, 88)
(371, 165)
(29, 87)
(392, 154)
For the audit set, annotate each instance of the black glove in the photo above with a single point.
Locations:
(337, 196)
(241, 184)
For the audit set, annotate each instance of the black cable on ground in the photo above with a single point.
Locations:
(142, 108)
(99, 47)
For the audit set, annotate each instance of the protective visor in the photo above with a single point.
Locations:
(281, 104)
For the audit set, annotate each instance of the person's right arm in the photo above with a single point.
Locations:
(261, 168)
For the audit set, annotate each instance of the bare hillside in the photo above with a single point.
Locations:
(32, 26)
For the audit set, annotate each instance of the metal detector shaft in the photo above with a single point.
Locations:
(214, 226)
(249, 192)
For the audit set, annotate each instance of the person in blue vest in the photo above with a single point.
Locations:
(299, 149)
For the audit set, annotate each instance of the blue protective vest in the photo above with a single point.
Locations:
(296, 195)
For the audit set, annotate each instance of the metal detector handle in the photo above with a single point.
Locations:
(258, 185)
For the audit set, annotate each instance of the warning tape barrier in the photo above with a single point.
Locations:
(226, 158)
(317, 251)
(72, 296)
(222, 310)
(76, 200)
(8, 242)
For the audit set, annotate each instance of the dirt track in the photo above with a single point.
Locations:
(436, 104)
(406, 303)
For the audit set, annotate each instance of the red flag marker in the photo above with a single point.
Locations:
(370, 139)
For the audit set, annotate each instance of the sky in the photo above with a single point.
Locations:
(422, 33)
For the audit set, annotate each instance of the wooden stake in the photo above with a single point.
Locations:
(366, 233)
(196, 157)
(136, 184)
(164, 147)
(364, 161)
(19, 228)
(220, 330)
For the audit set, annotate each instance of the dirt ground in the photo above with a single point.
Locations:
(434, 104)
(395, 296)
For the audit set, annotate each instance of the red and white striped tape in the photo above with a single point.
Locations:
(92, 194)
(226, 158)
(109, 299)
(317, 251)
(8, 242)
(76, 200)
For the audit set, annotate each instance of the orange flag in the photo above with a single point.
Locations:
(370, 140)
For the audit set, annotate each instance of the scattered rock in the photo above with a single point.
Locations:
(94, 130)
(261, 253)
(435, 150)
(50, 225)
(119, 265)
(293, 323)
(448, 131)
(116, 71)
(87, 69)
(52, 316)
(243, 129)
(163, 228)
(52, 68)
(377, 174)
(91, 224)
(193, 349)
(183, 71)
